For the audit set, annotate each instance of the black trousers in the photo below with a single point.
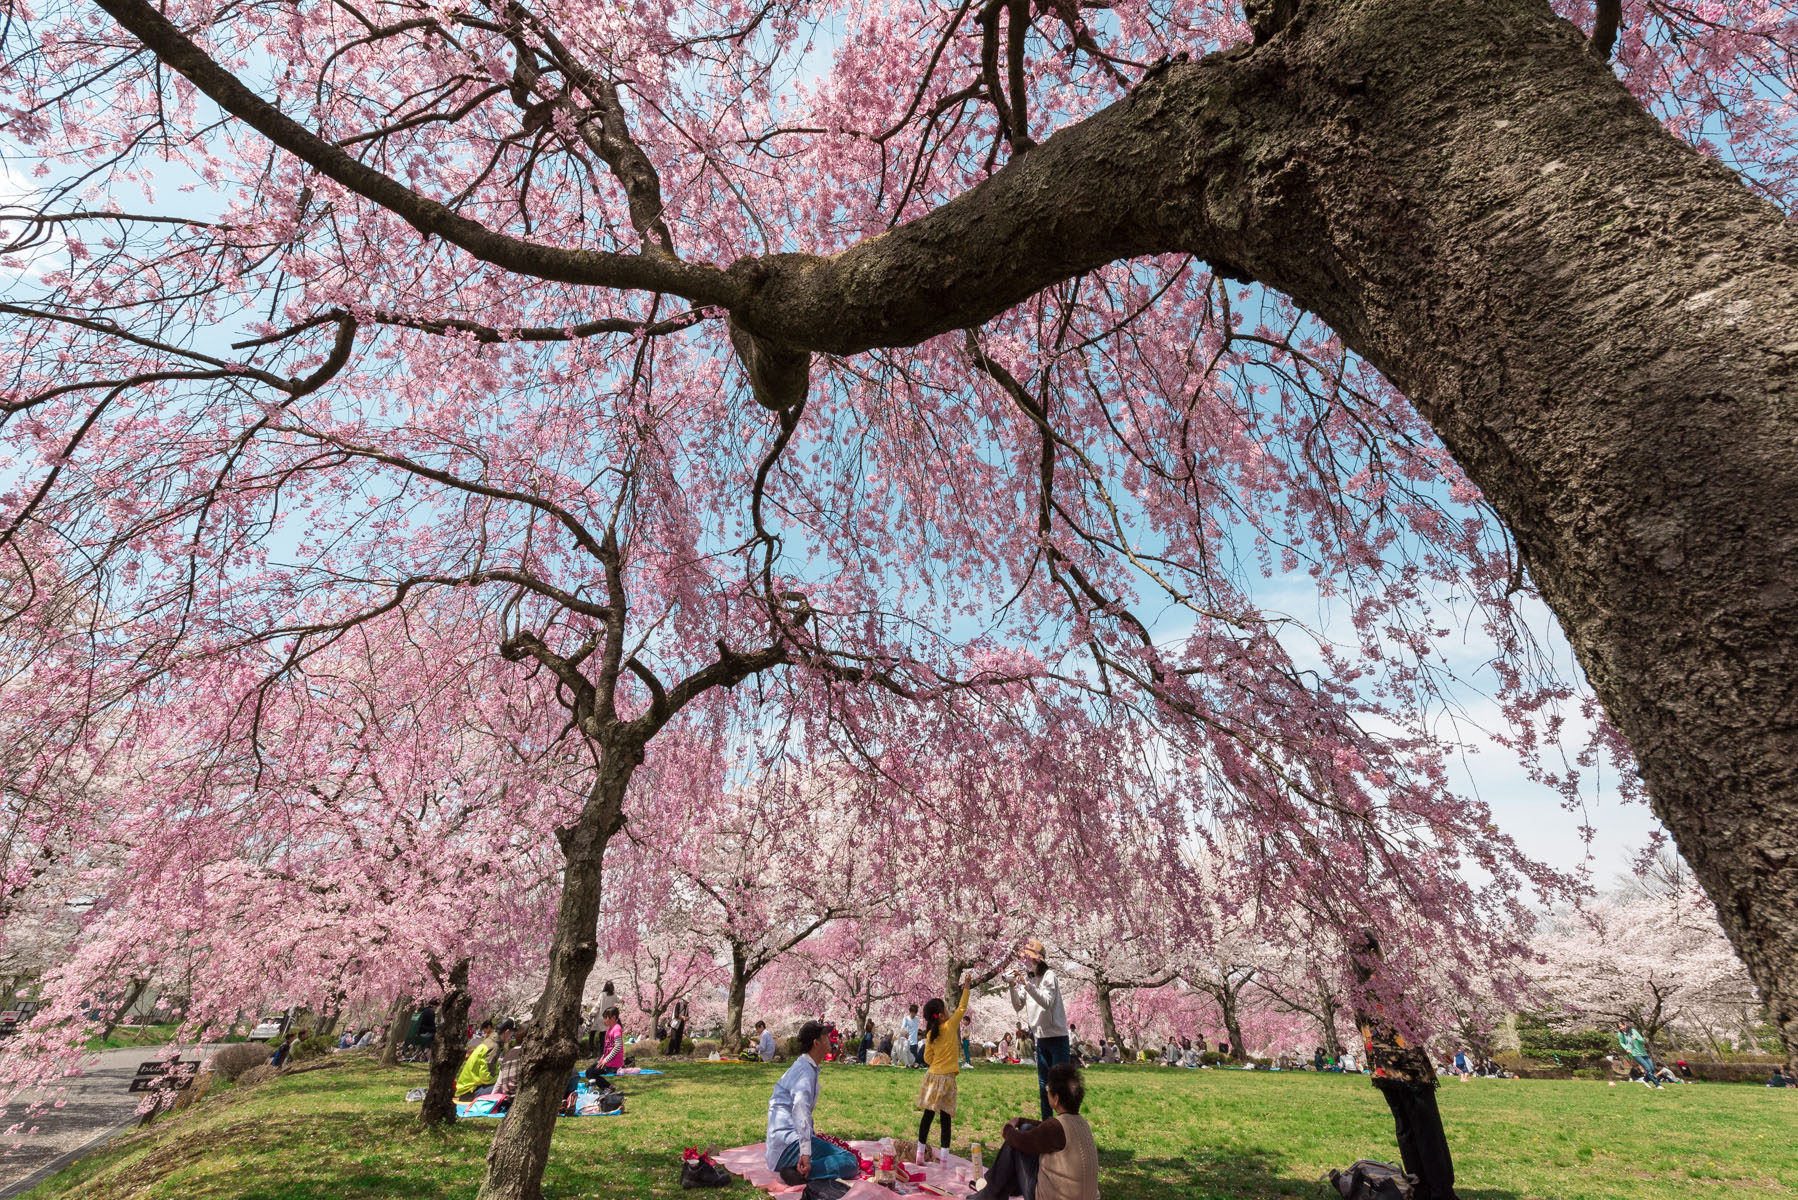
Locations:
(1421, 1142)
(1012, 1174)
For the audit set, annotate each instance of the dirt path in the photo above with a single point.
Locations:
(95, 1105)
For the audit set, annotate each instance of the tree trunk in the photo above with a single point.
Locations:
(1226, 1001)
(133, 994)
(735, 1000)
(1107, 1021)
(1595, 318)
(1610, 355)
(1327, 1008)
(520, 1148)
(398, 1018)
(447, 1049)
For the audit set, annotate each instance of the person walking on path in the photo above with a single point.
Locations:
(1636, 1046)
(1036, 995)
(942, 1061)
(1406, 1079)
(795, 1150)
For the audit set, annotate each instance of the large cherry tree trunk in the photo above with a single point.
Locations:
(397, 1019)
(1107, 1019)
(1602, 325)
(735, 1000)
(520, 1148)
(1226, 1003)
(1599, 322)
(1328, 1008)
(447, 1049)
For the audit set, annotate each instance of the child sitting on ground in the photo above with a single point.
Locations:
(611, 1053)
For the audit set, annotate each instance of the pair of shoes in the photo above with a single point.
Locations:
(791, 1176)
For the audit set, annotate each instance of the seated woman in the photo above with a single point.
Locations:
(1189, 1055)
(1050, 1160)
(1170, 1054)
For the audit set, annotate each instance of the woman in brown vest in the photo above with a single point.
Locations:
(1050, 1160)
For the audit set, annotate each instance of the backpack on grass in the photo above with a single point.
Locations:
(1370, 1180)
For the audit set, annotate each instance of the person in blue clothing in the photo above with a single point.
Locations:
(795, 1150)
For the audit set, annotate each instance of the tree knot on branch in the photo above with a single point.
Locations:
(779, 376)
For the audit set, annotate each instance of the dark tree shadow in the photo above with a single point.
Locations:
(1221, 1175)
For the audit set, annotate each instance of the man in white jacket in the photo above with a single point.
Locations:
(1036, 995)
(795, 1151)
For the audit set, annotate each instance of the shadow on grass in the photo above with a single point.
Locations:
(1219, 1175)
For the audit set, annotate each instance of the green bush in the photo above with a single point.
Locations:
(1567, 1041)
(705, 1048)
(1212, 1058)
(311, 1047)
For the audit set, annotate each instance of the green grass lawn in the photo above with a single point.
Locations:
(134, 1035)
(345, 1133)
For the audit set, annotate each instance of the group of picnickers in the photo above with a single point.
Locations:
(1053, 1158)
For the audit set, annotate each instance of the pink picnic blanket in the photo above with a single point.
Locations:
(751, 1162)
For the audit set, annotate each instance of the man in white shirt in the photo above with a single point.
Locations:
(909, 1027)
(1036, 995)
(794, 1149)
(764, 1042)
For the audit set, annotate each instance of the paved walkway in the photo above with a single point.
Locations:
(96, 1105)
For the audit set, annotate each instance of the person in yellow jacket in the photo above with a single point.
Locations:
(480, 1069)
(942, 1059)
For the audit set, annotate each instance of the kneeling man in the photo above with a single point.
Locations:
(794, 1150)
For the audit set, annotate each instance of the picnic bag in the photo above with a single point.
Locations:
(603, 1104)
(1370, 1180)
(699, 1171)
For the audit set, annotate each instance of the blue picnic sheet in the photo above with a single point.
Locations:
(483, 1107)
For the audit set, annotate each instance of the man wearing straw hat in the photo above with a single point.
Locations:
(1036, 994)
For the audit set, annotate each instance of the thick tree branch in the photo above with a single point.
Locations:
(699, 284)
(1605, 23)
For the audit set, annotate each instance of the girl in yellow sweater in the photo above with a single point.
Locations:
(942, 1058)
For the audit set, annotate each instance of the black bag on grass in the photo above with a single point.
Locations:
(1370, 1180)
(700, 1171)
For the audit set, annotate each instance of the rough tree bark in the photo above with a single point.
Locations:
(736, 997)
(397, 1020)
(447, 1049)
(1328, 1007)
(520, 1148)
(1107, 1021)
